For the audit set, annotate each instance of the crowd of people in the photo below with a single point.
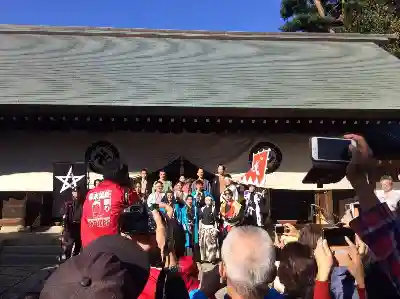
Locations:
(207, 210)
(211, 221)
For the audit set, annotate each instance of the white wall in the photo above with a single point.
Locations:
(26, 158)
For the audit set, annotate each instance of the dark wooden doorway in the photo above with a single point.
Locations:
(178, 167)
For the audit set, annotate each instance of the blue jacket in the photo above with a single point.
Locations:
(177, 211)
(342, 284)
(185, 223)
(197, 294)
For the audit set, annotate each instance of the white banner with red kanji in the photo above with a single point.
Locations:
(256, 175)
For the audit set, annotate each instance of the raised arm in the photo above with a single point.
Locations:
(377, 226)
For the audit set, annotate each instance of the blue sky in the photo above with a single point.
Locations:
(255, 15)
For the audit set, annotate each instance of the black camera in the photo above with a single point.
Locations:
(137, 219)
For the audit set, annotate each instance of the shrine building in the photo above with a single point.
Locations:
(178, 100)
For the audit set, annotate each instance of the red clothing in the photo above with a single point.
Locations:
(101, 210)
(188, 270)
(379, 229)
(321, 291)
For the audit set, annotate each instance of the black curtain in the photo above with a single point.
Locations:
(173, 170)
(291, 204)
(65, 175)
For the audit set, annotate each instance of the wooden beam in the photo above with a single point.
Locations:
(324, 203)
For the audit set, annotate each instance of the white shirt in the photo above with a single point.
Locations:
(155, 198)
(391, 198)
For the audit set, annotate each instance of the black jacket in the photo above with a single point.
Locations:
(215, 191)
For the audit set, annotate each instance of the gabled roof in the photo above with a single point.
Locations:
(78, 66)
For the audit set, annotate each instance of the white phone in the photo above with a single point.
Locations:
(330, 149)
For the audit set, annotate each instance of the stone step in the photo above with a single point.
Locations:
(43, 260)
(32, 249)
(31, 239)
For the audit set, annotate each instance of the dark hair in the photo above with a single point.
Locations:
(297, 270)
(191, 196)
(198, 182)
(158, 182)
(310, 234)
(227, 176)
(116, 172)
(229, 191)
(96, 181)
(169, 191)
(144, 169)
(162, 170)
(222, 165)
(386, 177)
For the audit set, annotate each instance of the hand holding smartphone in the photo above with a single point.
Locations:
(329, 149)
(336, 236)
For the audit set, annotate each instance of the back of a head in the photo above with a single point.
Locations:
(248, 255)
(310, 234)
(116, 172)
(297, 270)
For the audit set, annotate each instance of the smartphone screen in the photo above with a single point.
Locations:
(336, 236)
(333, 149)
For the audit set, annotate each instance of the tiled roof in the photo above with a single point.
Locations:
(78, 66)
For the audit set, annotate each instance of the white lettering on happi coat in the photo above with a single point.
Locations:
(101, 209)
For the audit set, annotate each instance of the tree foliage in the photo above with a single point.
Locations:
(356, 16)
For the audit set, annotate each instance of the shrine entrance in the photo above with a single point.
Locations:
(178, 167)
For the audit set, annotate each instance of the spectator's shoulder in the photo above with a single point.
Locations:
(273, 294)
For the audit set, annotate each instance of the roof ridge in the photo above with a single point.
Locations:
(192, 34)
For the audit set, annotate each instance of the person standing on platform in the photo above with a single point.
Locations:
(190, 222)
(208, 236)
(158, 194)
(186, 185)
(179, 194)
(229, 185)
(170, 200)
(72, 224)
(167, 185)
(200, 177)
(200, 194)
(138, 189)
(254, 207)
(231, 213)
(144, 182)
(218, 186)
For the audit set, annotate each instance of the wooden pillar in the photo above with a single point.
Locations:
(324, 203)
